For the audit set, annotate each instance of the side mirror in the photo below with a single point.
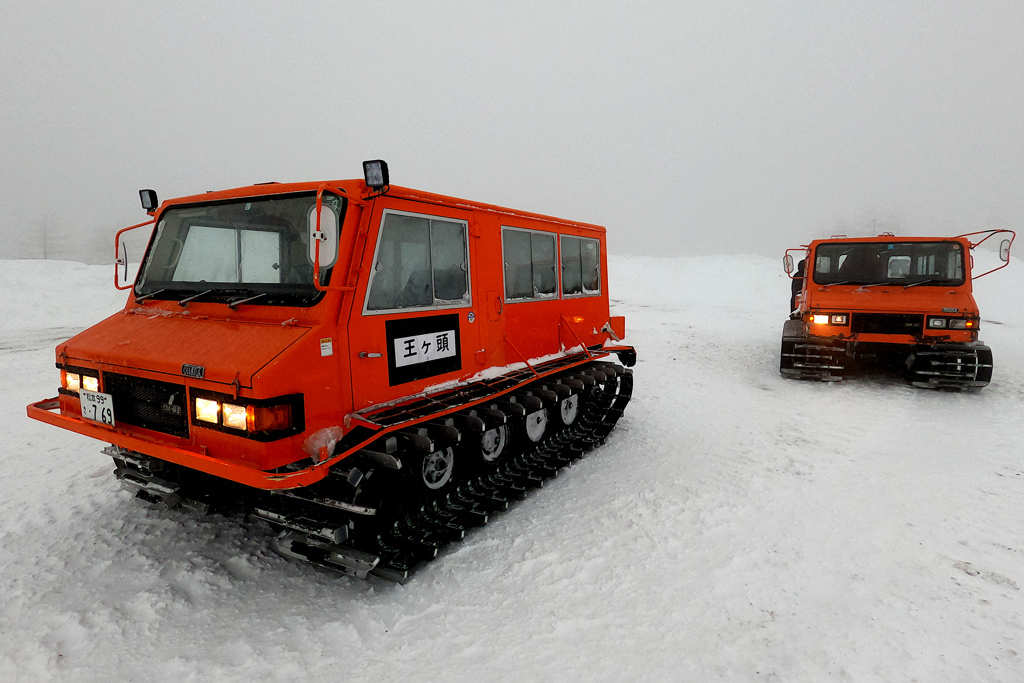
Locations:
(326, 236)
(787, 263)
(1004, 251)
(149, 200)
(122, 260)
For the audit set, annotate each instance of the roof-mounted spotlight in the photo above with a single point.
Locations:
(375, 173)
(149, 200)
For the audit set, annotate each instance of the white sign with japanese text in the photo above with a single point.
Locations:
(422, 348)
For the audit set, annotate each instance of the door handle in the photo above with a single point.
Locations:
(365, 354)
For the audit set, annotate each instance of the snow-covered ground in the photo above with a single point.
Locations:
(736, 526)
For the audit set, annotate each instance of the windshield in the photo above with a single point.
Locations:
(889, 263)
(227, 251)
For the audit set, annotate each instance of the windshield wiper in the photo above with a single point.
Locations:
(147, 296)
(184, 302)
(925, 282)
(235, 303)
(873, 284)
(854, 282)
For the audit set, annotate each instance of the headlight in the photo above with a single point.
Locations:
(234, 416)
(245, 417)
(819, 319)
(207, 410)
(936, 323)
(72, 381)
(840, 319)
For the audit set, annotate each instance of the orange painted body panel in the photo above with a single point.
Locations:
(534, 328)
(956, 300)
(332, 354)
(162, 340)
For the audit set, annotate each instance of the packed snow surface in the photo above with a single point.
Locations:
(736, 526)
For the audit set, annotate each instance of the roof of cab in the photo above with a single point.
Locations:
(357, 191)
(886, 238)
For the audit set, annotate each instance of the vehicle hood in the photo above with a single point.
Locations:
(894, 299)
(154, 340)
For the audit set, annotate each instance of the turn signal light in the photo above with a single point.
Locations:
(268, 418)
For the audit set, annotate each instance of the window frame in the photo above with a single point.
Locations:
(279, 295)
(600, 270)
(558, 270)
(962, 255)
(367, 311)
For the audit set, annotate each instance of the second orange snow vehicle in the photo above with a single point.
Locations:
(369, 368)
(907, 300)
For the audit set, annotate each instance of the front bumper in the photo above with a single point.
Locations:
(48, 411)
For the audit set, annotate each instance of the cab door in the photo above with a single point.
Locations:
(409, 323)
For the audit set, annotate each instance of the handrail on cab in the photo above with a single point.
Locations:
(804, 249)
(987, 235)
(337, 240)
(120, 260)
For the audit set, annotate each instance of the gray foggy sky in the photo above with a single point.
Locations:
(684, 127)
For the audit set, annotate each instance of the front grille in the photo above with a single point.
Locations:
(146, 403)
(887, 323)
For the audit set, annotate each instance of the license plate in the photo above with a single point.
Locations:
(97, 407)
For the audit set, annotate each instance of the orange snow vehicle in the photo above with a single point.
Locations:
(906, 301)
(371, 369)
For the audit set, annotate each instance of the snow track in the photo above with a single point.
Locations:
(735, 526)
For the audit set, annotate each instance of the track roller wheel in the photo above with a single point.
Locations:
(436, 468)
(566, 403)
(535, 420)
(430, 476)
(486, 447)
(493, 443)
(568, 409)
(536, 423)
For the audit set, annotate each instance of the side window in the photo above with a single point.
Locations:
(581, 266)
(529, 257)
(518, 264)
(449, 263)
(420, 262)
